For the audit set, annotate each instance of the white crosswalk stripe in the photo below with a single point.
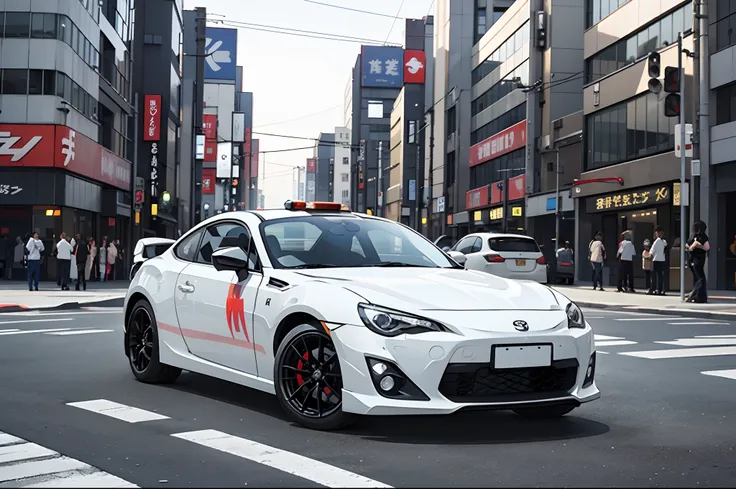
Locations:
(726, 374)
(80, 331)
(51, 331)
(118, 411)
(25, 464)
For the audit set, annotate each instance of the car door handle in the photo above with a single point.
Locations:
(187, 288)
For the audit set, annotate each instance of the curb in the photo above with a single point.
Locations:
(66, 306)
(724, 316)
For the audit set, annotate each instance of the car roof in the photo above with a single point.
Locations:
(281, 213)
(500, 235)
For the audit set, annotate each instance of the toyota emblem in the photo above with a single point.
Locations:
(521, 325)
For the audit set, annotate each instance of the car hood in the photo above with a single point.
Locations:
(439, 289)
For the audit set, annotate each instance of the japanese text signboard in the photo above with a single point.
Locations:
(477, 197)
(382, 66)
(647, 196)
(501, 143)
(152, 118)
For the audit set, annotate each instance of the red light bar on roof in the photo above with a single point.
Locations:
(297, 205)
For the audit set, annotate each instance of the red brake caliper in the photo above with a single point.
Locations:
(300, 379)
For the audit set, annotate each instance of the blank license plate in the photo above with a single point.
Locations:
(522, 356)
(520, 263)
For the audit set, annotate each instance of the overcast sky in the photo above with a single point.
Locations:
(298, 83)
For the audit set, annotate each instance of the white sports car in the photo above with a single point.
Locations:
(340, 314)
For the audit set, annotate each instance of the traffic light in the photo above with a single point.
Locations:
(671, 80)
(672, 105)
(139, 195)
(653, 68)
(235, 182)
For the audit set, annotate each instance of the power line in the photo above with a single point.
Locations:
(353, 9)
(300, 117)
(393, 23)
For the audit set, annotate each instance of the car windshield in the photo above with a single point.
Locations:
(347, 241)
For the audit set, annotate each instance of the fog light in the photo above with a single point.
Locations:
(590, 371)
(379, 368)
(387, 383)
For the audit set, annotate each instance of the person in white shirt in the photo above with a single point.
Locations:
(626, 253)
(597, 253)
(658, 262)
(35, 248)
(64, 252)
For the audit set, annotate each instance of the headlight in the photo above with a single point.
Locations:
(575, 317)
(387, 322)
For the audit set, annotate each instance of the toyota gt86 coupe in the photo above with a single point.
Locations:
(341, 314)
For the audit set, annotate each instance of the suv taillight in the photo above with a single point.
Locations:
(494, 258)
(541, 260)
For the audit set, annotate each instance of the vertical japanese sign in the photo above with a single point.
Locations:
(382, 66)
(154, 170)
(152, 121)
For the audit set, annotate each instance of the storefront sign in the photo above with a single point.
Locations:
(477, 197)
(208, 181)
(496, 213)
(517, 211)
(676, 194)
(10, 189)
(26, 145)
(23, 187)
(647, 196)
(517, 187)
(209, 125)
(152, 118)
(506, 141)
(154, 170)
(478, 216)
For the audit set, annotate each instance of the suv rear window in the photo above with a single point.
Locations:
(152, 251)
(524, 245)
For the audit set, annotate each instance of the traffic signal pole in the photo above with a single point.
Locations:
(683, 146)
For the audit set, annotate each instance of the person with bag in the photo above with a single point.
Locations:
(698, 246)
(102, 259)
(112, 255)
(64, 257)
(34, 247)
(597, 253)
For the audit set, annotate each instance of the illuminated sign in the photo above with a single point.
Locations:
(656, 195)
(496, 213)
(517, 211)
(478, 216)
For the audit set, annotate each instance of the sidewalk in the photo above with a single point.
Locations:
(721, 304)
(15, 296)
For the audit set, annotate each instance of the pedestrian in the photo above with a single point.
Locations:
(112, 256)
(658, 262)
(597, 253)
(35, 248)
(698, 246)
(646, 264)
(626, 253)
(91, 254)
(81, 252)
(64, 252)
(102, 258)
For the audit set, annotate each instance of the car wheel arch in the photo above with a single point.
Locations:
(135, 297)
(288, 323)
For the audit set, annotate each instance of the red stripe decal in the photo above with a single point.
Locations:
(201, 335)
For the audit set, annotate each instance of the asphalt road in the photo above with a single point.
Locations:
(660, 422)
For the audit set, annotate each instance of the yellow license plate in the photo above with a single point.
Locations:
(520, 263)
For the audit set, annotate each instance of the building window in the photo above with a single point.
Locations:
(344, 177)
(513, 116)
(15, 82)
(726, 104)
(661, 33)
(518, 40)
(375, 109)
(725, 24)
(43, 26)
(627, 131)
(35, 82)
(501, 89)
(346, 196)
(596, 10)
(345, 160)
(509, 165)
(17, 24)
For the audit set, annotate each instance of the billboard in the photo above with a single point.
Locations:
(477, 197)
(238, 127)
(415, 63)
(501, 143)
(224, 160)
(517, 187)
(152, 121)
(209, 124)
(311, 165)
(208, 181)
(382, 66)
(221, 50)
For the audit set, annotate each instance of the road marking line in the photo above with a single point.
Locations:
(8, 330)
(39, 467)
(118, 411)
(80, 479)
(651, 318)
(602, 352)
(6, 439)
(704, 323)
(726, 374)
(81, 331)
(682, 352)
(306, 468)
(595, 317)
(603, 337)
(31, 331)
(718, 336)
(23, 451)
(23, 321)
(699, 342)
(614, 343)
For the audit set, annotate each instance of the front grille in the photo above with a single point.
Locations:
(473, 382)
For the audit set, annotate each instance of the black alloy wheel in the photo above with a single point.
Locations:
(308, 380)
(142, 347)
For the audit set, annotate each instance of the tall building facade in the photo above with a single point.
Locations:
(341, 166)
(65, 107)
(324, 157)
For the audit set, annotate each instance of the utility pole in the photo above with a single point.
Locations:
(694, 180)
(197, 108)
(430, 182)
(683, 144)
(133, 224)
(379, 183)
(558, 202)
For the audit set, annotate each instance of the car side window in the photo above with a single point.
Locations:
(465, 245)
(225, 235)
(187, 249)
(477, 246)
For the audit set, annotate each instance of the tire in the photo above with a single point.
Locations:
(154, 372)
(548, 412)
(570, 281)
(293, 355)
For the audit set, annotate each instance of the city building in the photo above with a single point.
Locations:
(406, 157)
(65, 122)
(299, 182)
(718, 180)
(324, 169)
(341, 176)
(458, 26)
(626, 133)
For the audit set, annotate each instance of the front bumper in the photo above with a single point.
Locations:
(455, 371)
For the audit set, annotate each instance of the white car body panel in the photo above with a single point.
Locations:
(478, 308)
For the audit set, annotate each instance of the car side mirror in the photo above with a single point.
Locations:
(232, 259)
(458, 257)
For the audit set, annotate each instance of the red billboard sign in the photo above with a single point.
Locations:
(209, 125)
(415, 63)
(152, 118)
(36, 145)
(517, 187)
(209, 176)
(497, 192)
(255, 147)
(311, 165)
(210, 151)
(477, 198)
(506, 141)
